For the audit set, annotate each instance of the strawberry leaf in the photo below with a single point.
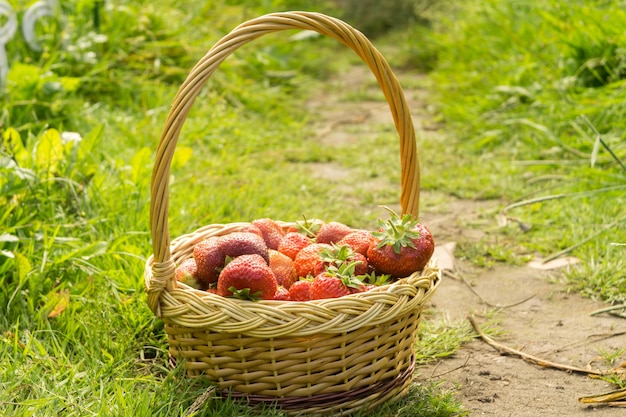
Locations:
(337, 253)
(245, 294)
(377, 280)
(307, 228)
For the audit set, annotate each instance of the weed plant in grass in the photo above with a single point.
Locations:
(79, 127)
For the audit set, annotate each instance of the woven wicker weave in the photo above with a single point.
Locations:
(314, 357)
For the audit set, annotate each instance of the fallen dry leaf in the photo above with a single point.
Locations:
(60, 304)
(554, 264)
(445, 256)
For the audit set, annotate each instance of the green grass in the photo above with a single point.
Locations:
(76, 336)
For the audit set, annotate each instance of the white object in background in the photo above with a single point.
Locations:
(7, 31)
(42, 8)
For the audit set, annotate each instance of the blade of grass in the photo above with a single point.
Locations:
(602, 142)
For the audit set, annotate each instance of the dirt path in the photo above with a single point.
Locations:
(538, 316)
(552, 325)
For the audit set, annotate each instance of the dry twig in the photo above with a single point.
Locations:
(613, 399)
(611, 310)
(432, 374)
(530, 358)
(594, 338)
(200, 401)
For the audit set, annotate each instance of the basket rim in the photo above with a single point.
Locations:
(199, 310)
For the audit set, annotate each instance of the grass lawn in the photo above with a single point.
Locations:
(530, 111)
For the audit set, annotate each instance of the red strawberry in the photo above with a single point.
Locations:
(271, 232)
(332, 232)
(300, 290)
(326, 286)
(309, 260)
(335, 282)
(209, 260)
(338, 255)
(187, 273)
(403, 246)
(291, 229)
(283, 268)
(248, 277)
(243, 243)
(292, 242)
(359, 241)
(282, 294)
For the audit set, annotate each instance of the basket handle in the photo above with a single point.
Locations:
(203, 70)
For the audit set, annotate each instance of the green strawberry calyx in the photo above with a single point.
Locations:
(245, 294)
(345, 272)
(377, 280)
(337, 254)
(307, 227)
(397, 231)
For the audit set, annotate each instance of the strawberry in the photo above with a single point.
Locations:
(271, 232)
(362, 288)
(187, 273)
(362, 267)
(209, 260)
(309, 260)
(402, 246)
(337, 255)
(325, 286)
(359, 241)
(300, 290)
(292, 242)
(332, 232)
(247, 277)
(243, 243)
(291, 229)
(283, 268)
(335, 282)
(282, 294)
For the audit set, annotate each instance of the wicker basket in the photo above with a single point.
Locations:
(317, 357)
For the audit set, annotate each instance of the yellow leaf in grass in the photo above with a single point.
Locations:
(61, 301)
(49, 151)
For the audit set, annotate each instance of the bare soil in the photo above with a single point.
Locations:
(552, 324)
(534, 312)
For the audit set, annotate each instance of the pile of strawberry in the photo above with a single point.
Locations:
(308, 261)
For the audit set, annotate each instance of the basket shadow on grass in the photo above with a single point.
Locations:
(420, 400)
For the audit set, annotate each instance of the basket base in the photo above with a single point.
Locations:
(338, 404)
